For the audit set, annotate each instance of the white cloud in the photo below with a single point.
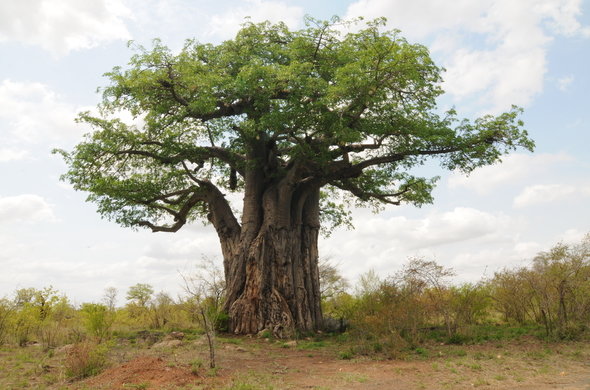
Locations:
(563, 16)
(173, 21)
(7, 154)
(548, 193)
(202, 242)
(226, 25)
(60, 26)
(564, 83)
(418, 19)
(513, 169)
(440, 228)
(32, 112)
(25, 208)
(384, 243)
(571, 236)
(538, 194)
(477, 264)
(527, 249)
(494, 50)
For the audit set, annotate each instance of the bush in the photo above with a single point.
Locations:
(6, 313)
(85, 359)
(98, 320)
(396, 312)
(458, 339)
(554, 292)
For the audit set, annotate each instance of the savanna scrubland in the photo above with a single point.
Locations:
(521, 328)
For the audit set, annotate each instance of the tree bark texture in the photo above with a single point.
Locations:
(271, 266)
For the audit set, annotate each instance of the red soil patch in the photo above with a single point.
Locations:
(152, 372)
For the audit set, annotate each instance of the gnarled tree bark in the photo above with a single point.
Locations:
(272, 270)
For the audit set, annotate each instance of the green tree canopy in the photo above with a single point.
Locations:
(355, 113)
(140, 294)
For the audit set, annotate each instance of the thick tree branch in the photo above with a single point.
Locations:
(197, 154)
(348, 185)
(340, 169)
(181, 194)
(223, 109)
(342, 151)
(220, 213)
(180, 216)
(157, 228)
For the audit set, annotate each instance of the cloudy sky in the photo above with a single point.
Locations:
(532, 53)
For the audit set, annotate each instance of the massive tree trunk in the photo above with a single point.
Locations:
(272, 267)
(280, 292)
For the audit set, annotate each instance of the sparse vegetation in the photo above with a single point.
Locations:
(549, 300)
(416, 315)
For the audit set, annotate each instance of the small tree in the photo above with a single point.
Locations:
(554, 291)
(560, 279)
(333, 288)
(7, 310)
(139, 296)
(470, 303)
(206, 289)
(98, 320)
(42, 313)
(332, 282)
(110, 298)
(161, 308)
(432, 280)
(512, 295)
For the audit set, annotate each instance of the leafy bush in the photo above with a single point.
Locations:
(554, 292)
(98, 320)
(40, 315)
(6, 314)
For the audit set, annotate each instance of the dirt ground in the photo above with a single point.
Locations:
(252, 364)
(256, 364)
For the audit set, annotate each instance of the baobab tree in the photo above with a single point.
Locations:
(296, 121)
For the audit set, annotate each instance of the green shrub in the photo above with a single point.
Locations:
(98, 320)
(423, 352)
(346, 355)
(458, 339)
(6, 315)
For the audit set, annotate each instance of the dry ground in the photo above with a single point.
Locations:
(251, 364)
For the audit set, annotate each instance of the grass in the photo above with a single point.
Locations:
(196, 365)
(354, 378)
(458, 352)
(139, 386)
(421, 352)
(480, 382)
(252, 381)
(477, 334)
(506, 363)
(305, 345)
(226, 340)
(346, 355)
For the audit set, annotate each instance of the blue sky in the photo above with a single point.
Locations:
(532, 53)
